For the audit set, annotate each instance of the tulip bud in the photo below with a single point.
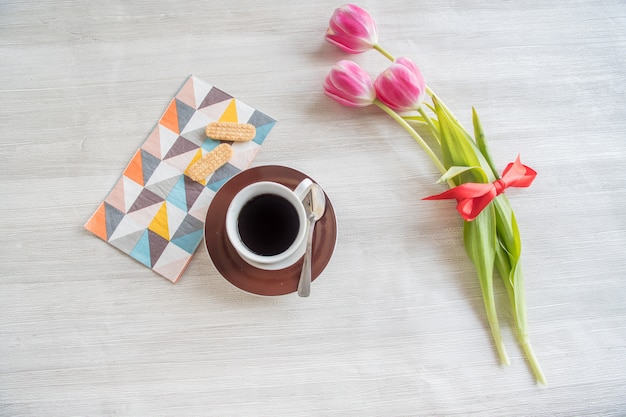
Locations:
(350, 85)
(401, 86)
(352, 29)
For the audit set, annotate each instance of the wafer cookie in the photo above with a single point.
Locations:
(232, 132)
(210, 162)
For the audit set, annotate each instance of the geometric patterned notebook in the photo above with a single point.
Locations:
(155, 213)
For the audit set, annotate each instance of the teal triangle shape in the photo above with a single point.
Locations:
(141, 251)
(262, 132)
(177, 195)
(210, 144)
(189, 242)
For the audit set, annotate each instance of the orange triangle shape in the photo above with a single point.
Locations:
(230, 114)
(97, 223)
(170, 118)
(134, 170)
(159, 223)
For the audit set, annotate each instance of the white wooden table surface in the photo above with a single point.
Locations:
(395, 325)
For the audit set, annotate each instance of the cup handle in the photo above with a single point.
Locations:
(303, 188)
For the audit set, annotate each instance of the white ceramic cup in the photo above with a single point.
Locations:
(294, 197)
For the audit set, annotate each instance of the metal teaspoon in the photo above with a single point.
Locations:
(315, 205)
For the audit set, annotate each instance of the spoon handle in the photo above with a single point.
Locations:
(304, 285)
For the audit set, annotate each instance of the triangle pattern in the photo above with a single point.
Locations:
(197, 136)
(200, 90)
(157, 246)
(153, 143)
(259, 119)
(221, 175)
(230, 114)
(243, 154)
(215, 111)
(163, 188)
(214, 96)
(193, 189)
(144, 216)
(97, 223)
(116, 196)
(167, 138)
(127, 226)
(187, 93)
(201, 206)
(183, 161)
(170, 118)
(189, 242)
(146, 198)
(196, 157)
(188, 226)
(244, 112)
(128, 242)
(184, 113)
(113, 218)
(210, 144)
(141, 251)
(149, 163)
(177, 196)
(198, 121)
(134, 169)
(172, 262)
(131, 192)
(162, 173)
(159, 223)
(175, 217)
(181, 146)
(262, 132)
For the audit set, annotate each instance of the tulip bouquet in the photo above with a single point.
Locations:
(491, 236)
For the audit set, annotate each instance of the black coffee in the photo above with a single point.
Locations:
(268, 224)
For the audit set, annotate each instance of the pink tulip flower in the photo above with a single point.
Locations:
(401, 86)
(350, 85)
(352, 29)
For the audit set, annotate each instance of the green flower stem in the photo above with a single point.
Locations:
(532, 359)
(429, 122)
(384, 52)
(415, 136)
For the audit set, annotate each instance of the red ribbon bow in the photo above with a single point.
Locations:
(473, 197)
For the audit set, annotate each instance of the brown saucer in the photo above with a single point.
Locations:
(237, 271)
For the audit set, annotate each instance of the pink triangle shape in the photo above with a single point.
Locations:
(116, 196)
(153, 143)
(186, 93)
(172, 262)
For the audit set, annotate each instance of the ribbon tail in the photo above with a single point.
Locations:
(470, 208)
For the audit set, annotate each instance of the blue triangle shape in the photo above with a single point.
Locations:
(189, 242)
(262, 132)
(141, 251)
(177, 196)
